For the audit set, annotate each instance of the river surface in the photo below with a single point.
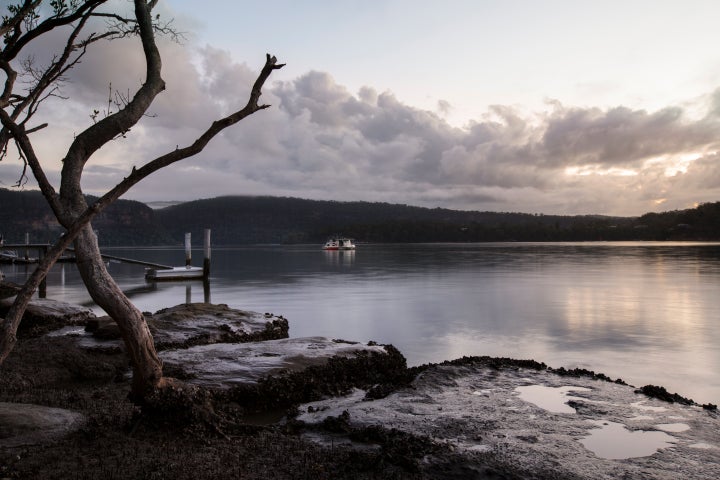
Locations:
(648, 313)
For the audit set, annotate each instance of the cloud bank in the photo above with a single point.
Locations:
(320, 140)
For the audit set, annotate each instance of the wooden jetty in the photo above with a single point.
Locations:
(155, 271)
(11, 256)
(8, 255)
(188, 272)
(132, 261)
(9, 252)
(175, 273)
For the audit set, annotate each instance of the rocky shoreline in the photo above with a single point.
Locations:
(279, 407)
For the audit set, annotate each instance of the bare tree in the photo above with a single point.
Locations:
(26, 23)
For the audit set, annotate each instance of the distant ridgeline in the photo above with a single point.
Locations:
(125, 222)
(237, 220)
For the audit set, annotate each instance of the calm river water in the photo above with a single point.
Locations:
(648, 313)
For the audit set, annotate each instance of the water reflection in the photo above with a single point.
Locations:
(643, 312)
(615, 441)
(339, 257)
(206, 298)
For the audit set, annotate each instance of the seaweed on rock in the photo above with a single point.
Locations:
(337, 377)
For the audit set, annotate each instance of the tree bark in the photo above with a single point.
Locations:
(9, 325)
(147, 366)
(69, 204)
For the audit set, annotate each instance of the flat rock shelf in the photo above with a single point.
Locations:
(475, 417)
(225, 365)
(533, 422)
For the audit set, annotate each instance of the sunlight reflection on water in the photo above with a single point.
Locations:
(552, 399)
(644, 312)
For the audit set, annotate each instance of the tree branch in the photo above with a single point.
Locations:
(198, 145)
(12, 50)
(9, 325)
(20, 136)
(69, 205)
(98, 134)
(18, 17)
(10, 77)
(52, 73)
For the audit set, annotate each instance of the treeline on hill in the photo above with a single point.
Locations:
(125, 222)
(237, 220)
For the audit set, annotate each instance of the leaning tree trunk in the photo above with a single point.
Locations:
(9, 324)
(69, 205)
(147, 366)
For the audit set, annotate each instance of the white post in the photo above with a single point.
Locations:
(188, 253)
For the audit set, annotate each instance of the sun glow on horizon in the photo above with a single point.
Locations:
(586, 170)
(675, 164)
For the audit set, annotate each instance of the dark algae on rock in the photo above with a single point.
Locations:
(186, 431)
(338, 376)
(259, 427)
(654, 391)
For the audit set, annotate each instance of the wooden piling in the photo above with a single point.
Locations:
(180, 273)
(206, 251)
(188, 250)
(206, 289)
(42, 289)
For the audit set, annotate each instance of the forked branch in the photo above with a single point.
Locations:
(8, 326)
(252, 106)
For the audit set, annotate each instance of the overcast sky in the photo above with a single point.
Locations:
(557, 107)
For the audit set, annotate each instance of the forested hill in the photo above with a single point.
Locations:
(125, 222)
(245, 220)
(236, 220)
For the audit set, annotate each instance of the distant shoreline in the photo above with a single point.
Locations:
(245, 220)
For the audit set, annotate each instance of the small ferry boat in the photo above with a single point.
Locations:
(339, 243)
